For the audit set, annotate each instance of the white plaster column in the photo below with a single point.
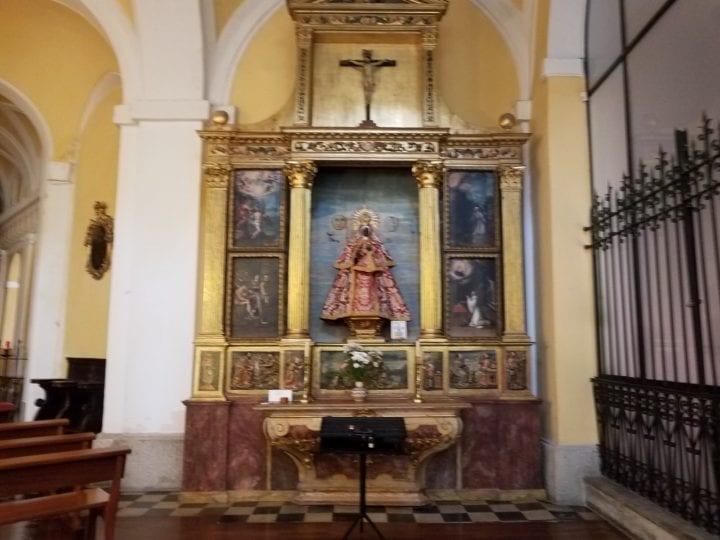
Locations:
(151, 323)
(46, 328)
(152, 297)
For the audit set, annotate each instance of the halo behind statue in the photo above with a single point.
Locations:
(365, 216)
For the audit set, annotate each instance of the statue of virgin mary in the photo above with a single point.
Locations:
(364, 292)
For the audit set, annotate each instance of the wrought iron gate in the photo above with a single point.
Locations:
(656, 241)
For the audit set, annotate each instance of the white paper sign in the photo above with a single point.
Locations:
(398, 329)
(275, 396)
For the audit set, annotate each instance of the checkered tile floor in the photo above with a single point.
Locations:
(440, 511)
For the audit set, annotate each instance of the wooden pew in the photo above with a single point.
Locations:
(48, 473)
(30, 446)
(35, 428)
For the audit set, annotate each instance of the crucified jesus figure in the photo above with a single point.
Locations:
(368, 65)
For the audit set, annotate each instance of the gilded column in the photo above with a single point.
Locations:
(216, 178)
(303, 86)
(429, 42)
(429, 178)
(300, 175)
(512, 240)
(208, 364)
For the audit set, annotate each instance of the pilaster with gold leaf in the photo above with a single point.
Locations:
(512, 235)
(210, 340)
(300, 175)
(429, 178)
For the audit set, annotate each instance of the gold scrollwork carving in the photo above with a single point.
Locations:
(216, 174)
(430, 38)
(511, 177)
(365, 412)
(417, 446)
(428, 173)
(300, 174)
(301, 449)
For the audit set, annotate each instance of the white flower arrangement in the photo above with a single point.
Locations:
(361, 364)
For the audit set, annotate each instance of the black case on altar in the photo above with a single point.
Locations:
(381, 435)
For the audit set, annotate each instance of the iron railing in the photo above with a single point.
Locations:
(656, 241)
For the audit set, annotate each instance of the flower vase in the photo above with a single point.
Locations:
(359, 393)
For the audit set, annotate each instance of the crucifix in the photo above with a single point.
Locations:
(368, 65)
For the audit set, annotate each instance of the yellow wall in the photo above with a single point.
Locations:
(265, 76)
(476, 75)
(62, 59)
(88, 298)
(561, 184)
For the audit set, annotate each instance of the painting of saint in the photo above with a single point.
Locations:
(294, 370)
(256, 213)
(432, 370)
(471, 303)
(209, 371)
(515, 365)
(471, 209)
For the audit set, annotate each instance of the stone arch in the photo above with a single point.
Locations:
(113, 23)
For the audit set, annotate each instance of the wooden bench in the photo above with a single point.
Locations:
(45, 474)
(36, 428)
(30, 446)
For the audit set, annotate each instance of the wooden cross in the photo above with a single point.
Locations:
(368, 65)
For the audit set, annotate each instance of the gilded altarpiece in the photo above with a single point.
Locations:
(277, 210)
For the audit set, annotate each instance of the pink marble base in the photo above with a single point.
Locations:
(247, 448)
(501, 445)
(205, 451)
(226, 450)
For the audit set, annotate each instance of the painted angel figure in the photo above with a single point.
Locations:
(365, 285)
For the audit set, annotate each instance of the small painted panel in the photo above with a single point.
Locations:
(516, 370)
(254, 370)
(473, 369)
(294, 370)
(209, 373)
(432, 370)
(393, 374)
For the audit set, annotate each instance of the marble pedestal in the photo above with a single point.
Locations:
(324, 478)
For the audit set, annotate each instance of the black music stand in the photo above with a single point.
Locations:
(362, 436)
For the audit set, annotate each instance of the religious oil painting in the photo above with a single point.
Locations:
(516, 370)
(254, 370)
(471, 210)
(393, 375)
(473, 369)
(257, 208)
(471, 296)
(209, 371)
(254, 297)
(294, 370)
(432, 370)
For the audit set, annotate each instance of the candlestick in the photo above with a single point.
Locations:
(418, 372)
(306, 374)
